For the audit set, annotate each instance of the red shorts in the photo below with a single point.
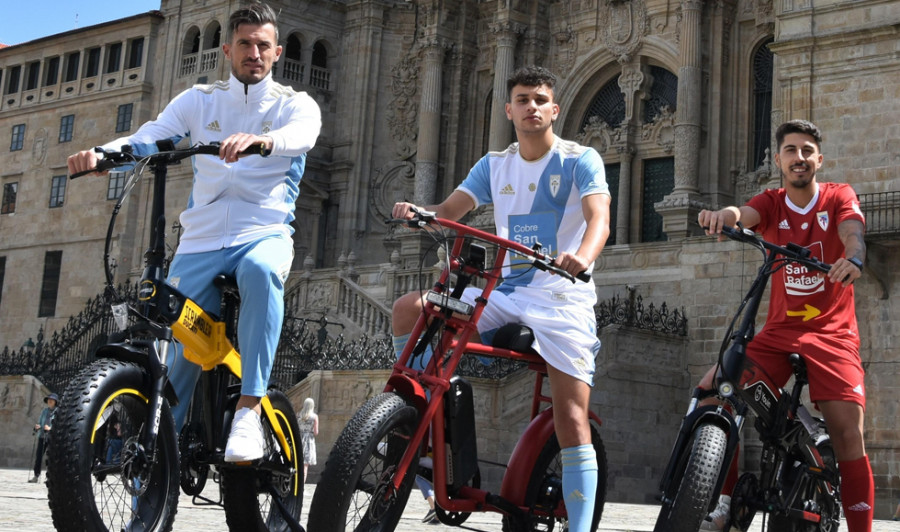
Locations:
(832, 362)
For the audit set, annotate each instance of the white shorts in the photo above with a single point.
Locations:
(565, 334)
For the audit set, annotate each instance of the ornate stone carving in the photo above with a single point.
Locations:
(391, 183)
(403, 110)
(661, 130)
(600, 135)
(623, 26)
(566, 46)
(630, 83)
(39, 148)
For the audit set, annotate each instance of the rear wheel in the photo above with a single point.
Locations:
(544, 495)
(355, 491)
(698, 473)
(817, 496)
(98, 476)
(257, 497)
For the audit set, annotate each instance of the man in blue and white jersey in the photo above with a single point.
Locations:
(548, 190)
(237, 220)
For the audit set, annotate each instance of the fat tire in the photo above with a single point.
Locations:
(359, 466)
(698, 477)
(249, 505)
(547, 470)
(81, 497)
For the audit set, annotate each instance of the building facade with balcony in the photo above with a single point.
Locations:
(680, 97)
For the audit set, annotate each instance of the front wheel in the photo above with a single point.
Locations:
(544, 495)
(355, 491)
(98, 476)
(698, 473)
(257, 497)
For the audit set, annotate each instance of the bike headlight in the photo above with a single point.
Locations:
(726, 389)
(445, 301)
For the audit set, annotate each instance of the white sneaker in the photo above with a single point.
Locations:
(717, 519)
(245, 443)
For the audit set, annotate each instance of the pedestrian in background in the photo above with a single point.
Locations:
(42, 433)
(309, 429)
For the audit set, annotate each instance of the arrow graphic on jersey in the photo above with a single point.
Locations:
(808, 313)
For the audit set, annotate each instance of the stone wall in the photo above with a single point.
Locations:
(21, 402)
(636, 398)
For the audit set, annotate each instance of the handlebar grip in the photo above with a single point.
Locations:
(213, 149)
(584, 277)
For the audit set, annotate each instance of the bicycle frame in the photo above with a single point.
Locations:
(455, 341)
(165, 313)
(780, 414)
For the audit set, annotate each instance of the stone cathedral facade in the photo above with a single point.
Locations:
(680, 97)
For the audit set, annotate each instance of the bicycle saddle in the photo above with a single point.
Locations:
(226, 283)
(516, 337)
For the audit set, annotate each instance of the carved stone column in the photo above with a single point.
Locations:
(679, 209)
(428, 144)
(623, 198)
(501, 129)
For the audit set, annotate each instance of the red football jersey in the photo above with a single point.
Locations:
(799, 299)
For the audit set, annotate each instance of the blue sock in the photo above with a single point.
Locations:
(419, 363)
(579, 466)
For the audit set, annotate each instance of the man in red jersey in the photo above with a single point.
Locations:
(809, 313)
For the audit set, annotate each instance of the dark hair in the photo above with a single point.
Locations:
(530, 76)
(797, 126)
(255, 13)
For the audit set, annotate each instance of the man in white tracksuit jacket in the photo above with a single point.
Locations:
(237, 219)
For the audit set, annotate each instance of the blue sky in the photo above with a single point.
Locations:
(24, 21)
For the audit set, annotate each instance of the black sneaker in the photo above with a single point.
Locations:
(430, 517)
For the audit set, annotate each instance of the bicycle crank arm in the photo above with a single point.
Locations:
(292, 523)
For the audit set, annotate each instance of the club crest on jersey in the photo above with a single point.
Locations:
(822, 218)
(555, 179)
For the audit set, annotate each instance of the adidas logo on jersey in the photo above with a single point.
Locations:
(784, 225)
(858, 389)
(214, 126)
(508, 189)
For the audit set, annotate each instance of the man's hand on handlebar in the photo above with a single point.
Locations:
(230, 149)
(83, 161)
(403, 210)
(713, 221)
(571, 263)
(844, 272)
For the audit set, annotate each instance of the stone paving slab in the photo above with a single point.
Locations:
(23, 508)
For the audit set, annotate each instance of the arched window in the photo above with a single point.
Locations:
(209, 59)
(608, 105)
(191, 44)
(763, 65)
(212, 36)
(319, 76)
(190, 48)
(291, 63)
(663, 93)
(319, 55)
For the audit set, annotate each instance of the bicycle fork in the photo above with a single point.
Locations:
(694, 417)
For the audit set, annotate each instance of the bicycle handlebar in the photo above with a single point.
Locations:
(114, 159)
(792, 252)
(423, 218)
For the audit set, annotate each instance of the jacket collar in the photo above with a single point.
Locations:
(251, 93)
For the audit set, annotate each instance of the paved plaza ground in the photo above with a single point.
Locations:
(23, 508)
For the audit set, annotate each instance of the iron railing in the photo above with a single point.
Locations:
(306, 344)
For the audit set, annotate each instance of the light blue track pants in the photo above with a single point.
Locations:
(261, 268)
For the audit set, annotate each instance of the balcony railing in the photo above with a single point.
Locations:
(320, 78)
(882, 211)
